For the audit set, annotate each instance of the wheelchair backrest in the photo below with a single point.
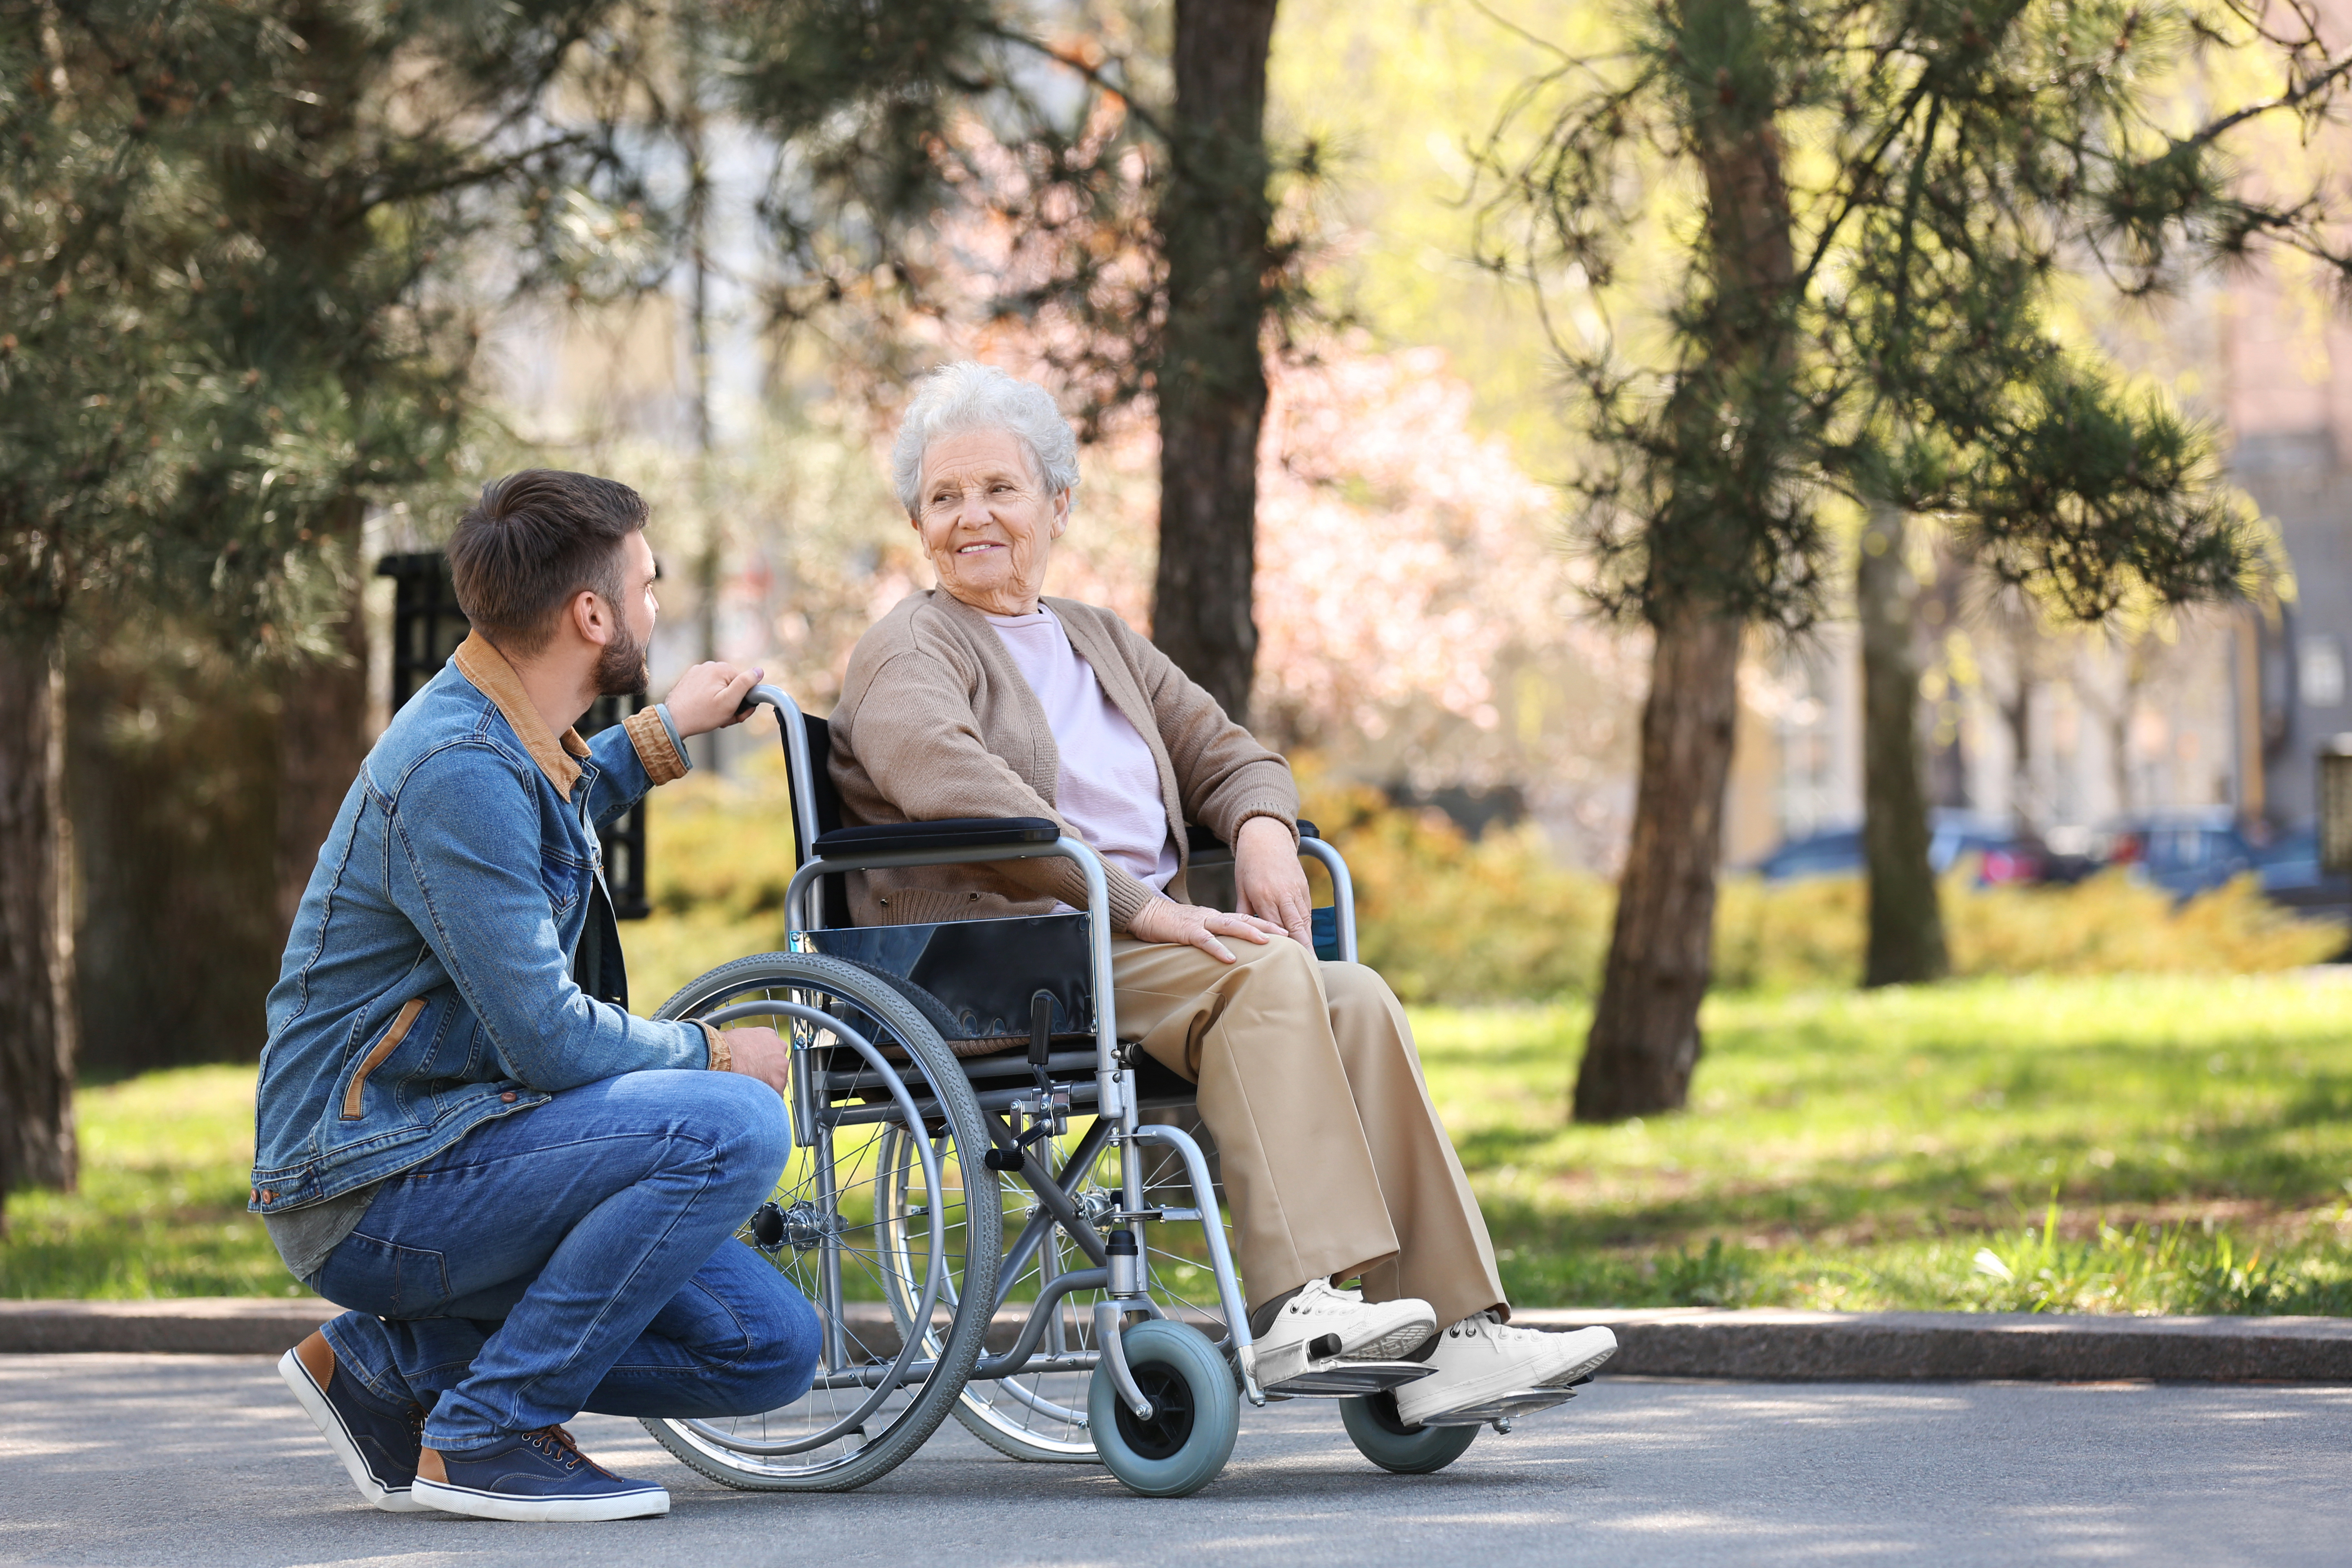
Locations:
(816, 811)
(816, 806)
(824, 803)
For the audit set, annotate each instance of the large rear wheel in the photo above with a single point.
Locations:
(1042, 1415)
(884, 1218)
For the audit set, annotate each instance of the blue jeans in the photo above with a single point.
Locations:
(579, 1256)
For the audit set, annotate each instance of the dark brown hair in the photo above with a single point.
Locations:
(535, 539)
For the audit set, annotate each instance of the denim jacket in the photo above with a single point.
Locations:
(429, 982)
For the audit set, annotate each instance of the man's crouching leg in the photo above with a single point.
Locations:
(592, 1238)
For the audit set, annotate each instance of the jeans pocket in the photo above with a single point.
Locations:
(369, 1275)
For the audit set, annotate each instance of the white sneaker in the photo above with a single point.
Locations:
(1479, 1360)
(1321, 1324)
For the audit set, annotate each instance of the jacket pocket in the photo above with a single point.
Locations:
(564, 877)
(378, 1052)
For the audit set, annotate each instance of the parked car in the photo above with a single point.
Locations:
(2185, 852)
(1835, 852)
(1838, 852)
(2289, 868)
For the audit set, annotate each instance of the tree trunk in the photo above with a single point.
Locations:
(1213, 222)
(37, 1017)
(1644, 1039)
(1906, 928)
(322, 741)
(2017, 717)
(175, 839)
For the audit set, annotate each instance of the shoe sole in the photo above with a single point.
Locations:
(1493, 1387)
(1393, 1345)
(652, 1502)
(321, 1412)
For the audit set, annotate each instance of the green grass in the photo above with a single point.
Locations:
(167, 1161)
(1897, 1149)
(1859, 1151)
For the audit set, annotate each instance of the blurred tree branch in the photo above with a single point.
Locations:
(1943, 169)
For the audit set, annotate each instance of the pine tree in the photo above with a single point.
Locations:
(232, 232)
(1878, 328)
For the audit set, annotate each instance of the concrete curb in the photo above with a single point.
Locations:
(1875, 1347)
(1764, 1345)
(201, 1325)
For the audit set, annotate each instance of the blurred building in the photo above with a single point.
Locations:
(2066, 734)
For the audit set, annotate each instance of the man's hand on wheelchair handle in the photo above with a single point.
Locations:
(1268, 881)
(761, 1054)
(1165, 920)
(711, 696)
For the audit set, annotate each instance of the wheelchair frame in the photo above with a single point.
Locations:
(1111, 1096)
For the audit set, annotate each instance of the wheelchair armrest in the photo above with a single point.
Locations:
(946, 833)
(1201, 841)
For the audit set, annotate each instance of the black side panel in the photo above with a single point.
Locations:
(828, 804)
(981, 973)
(832, 892)
(934, 1011)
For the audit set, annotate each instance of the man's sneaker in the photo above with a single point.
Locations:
(377, 1442)
(534, 1477)
(1322, 1323)
(1479, 1360)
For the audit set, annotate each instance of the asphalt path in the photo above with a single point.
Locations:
(129, 1460)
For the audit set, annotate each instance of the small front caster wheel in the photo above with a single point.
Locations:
(1381, 1437)
(1195, 1412)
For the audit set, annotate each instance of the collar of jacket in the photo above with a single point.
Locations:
(496, 679)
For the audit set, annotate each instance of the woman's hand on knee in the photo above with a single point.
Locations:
(1268, 881)
(1164, 920)
(761, 1054)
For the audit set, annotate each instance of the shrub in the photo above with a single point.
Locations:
(1451, 919)
(1811, 932)
(2112, 924)
(1789, 935)
(1448, 919)
(723, 847)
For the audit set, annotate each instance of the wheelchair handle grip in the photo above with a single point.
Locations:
(773, 696)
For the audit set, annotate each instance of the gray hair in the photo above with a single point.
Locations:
(959, 398)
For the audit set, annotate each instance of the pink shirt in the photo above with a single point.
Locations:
(1108, 787)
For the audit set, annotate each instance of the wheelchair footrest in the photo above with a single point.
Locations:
(1504, 1408)
(1349, 1379)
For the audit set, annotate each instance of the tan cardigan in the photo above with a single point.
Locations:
(936, 721)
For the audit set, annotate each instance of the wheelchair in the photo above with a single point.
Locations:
(989, 1194)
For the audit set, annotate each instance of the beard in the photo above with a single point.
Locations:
(621, 668)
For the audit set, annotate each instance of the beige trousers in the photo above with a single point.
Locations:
(1334, 1161)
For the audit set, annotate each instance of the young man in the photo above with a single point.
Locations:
(525, 1195)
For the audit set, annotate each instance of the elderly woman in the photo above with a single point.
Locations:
(981, 698)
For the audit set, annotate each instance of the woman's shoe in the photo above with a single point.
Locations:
(1321, 1324)
(1480, 1360)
